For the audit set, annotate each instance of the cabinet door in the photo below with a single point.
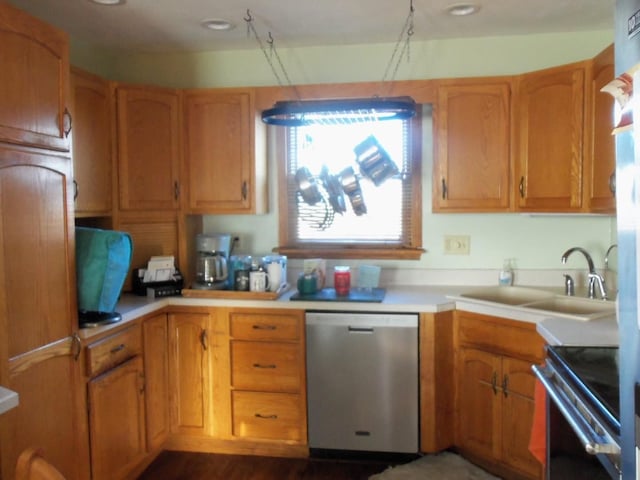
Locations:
(148, 148)
(37, 296)
(34, 61)
(472, 136)
(116, 420)
(156, 372)
(51, 414)
(91, 149)
(549, 139)
(190, 373)
(602, 158)
(478, 402)
(518, 383)
(219, 152)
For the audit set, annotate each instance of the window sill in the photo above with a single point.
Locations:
(351, 252)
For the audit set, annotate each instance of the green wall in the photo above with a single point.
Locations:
(535, 242)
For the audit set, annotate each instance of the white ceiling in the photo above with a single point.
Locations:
(174, 25)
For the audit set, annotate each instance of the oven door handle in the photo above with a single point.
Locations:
(588, 437)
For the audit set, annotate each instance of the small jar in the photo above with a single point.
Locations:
(342, 280)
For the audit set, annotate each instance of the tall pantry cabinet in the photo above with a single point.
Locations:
(38, 319)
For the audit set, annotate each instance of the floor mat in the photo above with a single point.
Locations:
(441, 466)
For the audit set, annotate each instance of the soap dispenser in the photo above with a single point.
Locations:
(506, 274)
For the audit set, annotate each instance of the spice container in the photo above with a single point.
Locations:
(342, 280)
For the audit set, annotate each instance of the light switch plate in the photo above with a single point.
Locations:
(457, 244)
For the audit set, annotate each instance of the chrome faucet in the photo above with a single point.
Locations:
(606, 256)
(594, 277)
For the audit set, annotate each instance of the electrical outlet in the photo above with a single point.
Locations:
(457, 244)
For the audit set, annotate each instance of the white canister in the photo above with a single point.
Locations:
(258, 281)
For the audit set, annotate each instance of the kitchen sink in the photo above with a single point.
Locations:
(575, 306)
(541, 301)
(508, 295)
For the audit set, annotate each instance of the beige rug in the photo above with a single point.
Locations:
(441, 466)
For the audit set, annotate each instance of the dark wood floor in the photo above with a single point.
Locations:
(204, 466)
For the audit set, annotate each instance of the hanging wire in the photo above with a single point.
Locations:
(273, 52)
(407, 30)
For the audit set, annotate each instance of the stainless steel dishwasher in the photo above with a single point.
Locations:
(362, 381)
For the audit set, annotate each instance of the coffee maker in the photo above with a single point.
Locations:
(212, 253)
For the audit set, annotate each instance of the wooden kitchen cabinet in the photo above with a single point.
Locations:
(549, 112)
(148, 136)
(156, 371)
(190, 374)
(601, 159)
(38, 313)
(117, 420)
(224, 156)
(472, 131)
(267, 375)
(495, 388)
(116, 404)
(91, 148)
(34, 61)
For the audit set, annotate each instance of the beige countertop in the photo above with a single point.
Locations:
(426, 299)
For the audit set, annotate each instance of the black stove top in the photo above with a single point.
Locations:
(594, 370)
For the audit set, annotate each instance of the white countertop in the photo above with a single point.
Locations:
(8, 400)
(417, 299)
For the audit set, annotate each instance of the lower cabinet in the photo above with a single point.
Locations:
(190, 373)
(156, 372)
(116, 397)
(495, 388)
(267, 375)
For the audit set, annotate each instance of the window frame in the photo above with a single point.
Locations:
(292, 248)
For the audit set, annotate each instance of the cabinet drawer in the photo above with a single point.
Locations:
(111, 351)
(507, 337)
(265, 366)
(265, 326)
(275, 416)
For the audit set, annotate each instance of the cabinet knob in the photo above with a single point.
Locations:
(444, 189)
(612, 183)
(244, 190)
(505, 386)
(76, 189)
(494, 383)
(66, 122)
(176, 190)
(521, 187)
(204, 340)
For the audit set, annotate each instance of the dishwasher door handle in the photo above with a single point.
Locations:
(360, 329)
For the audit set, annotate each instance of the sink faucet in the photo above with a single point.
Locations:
(594, 277)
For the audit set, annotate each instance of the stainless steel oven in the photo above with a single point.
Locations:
(583, 427)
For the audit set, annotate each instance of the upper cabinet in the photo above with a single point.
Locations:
(472, 141)
(91, 149)
(601, 158)
(549, 135)
(224, 155)
(148, 120)
(34, 61)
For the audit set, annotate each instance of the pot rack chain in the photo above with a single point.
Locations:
(273, 52)
(407, 31)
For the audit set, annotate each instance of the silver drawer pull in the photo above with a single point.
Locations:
(261, 365)
(116, 349)
(264, 327)
(268, 417)
(360, 329)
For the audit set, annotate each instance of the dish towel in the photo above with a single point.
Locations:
(538, 440)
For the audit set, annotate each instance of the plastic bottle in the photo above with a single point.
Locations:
(506, 274)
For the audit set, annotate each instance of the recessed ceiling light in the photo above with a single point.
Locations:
(218, 24)
(463, 9)
(109, 2)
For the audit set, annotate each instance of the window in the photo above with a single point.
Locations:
(352, 190)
